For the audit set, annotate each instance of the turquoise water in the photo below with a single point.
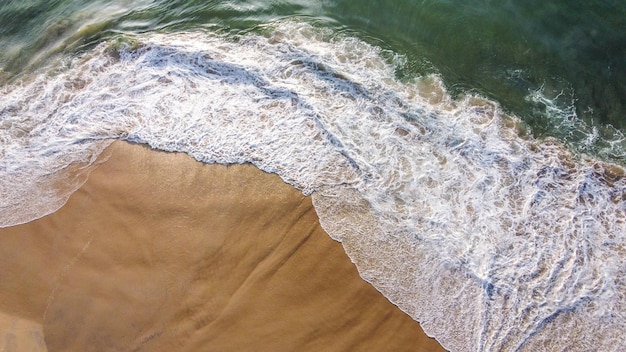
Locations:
(469, 156)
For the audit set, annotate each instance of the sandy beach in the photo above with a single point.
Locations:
(158, 252)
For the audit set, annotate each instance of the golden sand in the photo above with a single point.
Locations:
(158, 252)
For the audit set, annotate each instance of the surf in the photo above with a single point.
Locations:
(491, 238)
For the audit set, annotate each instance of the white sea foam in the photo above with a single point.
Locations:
(561, 119)
(492, 240)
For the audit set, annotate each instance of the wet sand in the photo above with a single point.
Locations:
(158, 252)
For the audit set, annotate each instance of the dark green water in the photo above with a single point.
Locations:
(572, 52)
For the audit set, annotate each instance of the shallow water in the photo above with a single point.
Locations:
(449, 196)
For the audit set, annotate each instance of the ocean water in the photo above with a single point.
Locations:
(470, 156)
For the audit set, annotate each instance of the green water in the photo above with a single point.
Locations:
(505, 48)
(573, 52)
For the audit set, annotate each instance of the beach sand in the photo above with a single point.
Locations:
(158, 252)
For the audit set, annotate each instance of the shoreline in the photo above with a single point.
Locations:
(157, 251)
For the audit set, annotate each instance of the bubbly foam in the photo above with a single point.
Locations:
(561, 119)
(491, 239)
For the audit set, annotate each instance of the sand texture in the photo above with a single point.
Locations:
(158, 252)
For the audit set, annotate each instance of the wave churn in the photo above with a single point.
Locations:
(493, 240)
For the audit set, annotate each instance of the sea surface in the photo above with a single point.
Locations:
(469, 155)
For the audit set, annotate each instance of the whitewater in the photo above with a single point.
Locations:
(492, 239)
